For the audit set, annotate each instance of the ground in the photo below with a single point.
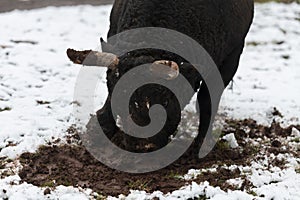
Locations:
(9, 5)
(258, 157)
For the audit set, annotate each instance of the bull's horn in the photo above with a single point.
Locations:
(166, 69)
(93, 58)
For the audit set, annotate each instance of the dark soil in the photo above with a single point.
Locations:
(72, 165)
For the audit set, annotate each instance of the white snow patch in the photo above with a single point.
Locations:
(236, 182)
(12, 189)
(42, 72)
(295, 132)
(283, 184)
(188, 192)
(230, 138)
(193, 173)
(268, 75)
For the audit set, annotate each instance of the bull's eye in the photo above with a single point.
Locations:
(136, 105)
(117, 73)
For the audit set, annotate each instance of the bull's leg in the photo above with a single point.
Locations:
(205, 113)
(106, 120)
(227, 70)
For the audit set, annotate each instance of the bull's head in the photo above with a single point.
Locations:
(145, 96)
(161, 68)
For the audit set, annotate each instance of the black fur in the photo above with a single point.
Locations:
(220, 26)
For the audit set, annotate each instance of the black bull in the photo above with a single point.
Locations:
(220, 26)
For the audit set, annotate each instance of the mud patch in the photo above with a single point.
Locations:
(72, 165)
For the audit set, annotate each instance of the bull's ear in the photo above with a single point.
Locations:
(93, 58)
(106, 47)
(166, 69)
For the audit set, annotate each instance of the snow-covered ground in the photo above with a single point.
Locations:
(268, 75)
(37, 83)
(42, 72)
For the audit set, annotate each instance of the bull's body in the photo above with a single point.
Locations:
(220, 26)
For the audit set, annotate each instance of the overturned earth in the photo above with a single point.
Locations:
(72, 165)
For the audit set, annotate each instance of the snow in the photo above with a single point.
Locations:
(42, 72)
(230, 138)
(277, 185)
(10, 188)
(265, 79)
(189, 192)
(268, 77)
(295, 132)
(193, 173)
(235, 182)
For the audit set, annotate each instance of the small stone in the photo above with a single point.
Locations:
(47, 191)
(276, 143)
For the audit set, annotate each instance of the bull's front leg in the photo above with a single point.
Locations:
(106, 120)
